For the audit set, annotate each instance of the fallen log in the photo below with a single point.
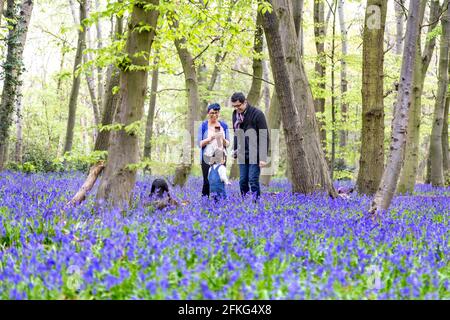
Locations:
(94, 172)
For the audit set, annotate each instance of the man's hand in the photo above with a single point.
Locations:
(262, 164)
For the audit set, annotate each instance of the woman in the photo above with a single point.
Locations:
(212, 134)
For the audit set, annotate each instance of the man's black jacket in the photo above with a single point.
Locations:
(253, 119)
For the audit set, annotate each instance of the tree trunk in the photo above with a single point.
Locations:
(320, 68)
(110, 102)
(76, 81)
(343, 132)
(371, 162)
(73, 9)
(409, 170)
(333, 94)
(102, 139)
(297, 10)
(19, 135)
(99, 69)
(2, 5)
(84, 136)
(118, 180)
(191, 81)
(12, 69)
(445, 147)
(4, 147)
(255, 89)
(436, 156)
(90, 74)
(274, 119)
(305, 155)
(266, 88)
(385, 192)
(151, 113)
(212, 81)
(399, 24)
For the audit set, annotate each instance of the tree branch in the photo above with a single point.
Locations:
(249, 74)
(170, 89)
(437, 19)
(206, 48)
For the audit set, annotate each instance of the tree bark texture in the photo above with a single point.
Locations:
(343, 132)
(385, 192)
(12, 68)
(445, 147)
(399, 26)
(100, 85)
(409, 170)
(151, 113)
(19, 132)
(371, 162)
(274, 123)
(191, 81)
(255, 90)
(102, 139)
(305, 155)
(320, 67)
(118, 180)
(90, 73)
(81, 45)
(2, 6)
(436, 156)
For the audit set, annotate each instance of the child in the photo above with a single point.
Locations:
(217, 175)
(160, 188)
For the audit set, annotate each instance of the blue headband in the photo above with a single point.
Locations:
(214, 106)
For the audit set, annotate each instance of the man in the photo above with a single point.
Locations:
(251, 143)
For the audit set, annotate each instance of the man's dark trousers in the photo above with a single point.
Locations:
(249, 174)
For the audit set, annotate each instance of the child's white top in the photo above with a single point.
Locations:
(222, 172)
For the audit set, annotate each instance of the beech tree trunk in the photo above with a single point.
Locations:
(76, 81)
(90, 74)
(320, 67)
(445, 147)
(371, 162)
(305, 155)
(266, 88)
(255, 90)
(99, 69)
(191, 81)
(2, 5)
(409, 170)
(399, 26)
(19, 135)
(118, 180)
(343, 132)
(436, 156)
(297, 10)
(274, 123)
(151, 113)
(385, 192)
(12, 69)
(333, 94)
